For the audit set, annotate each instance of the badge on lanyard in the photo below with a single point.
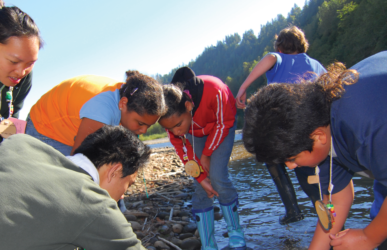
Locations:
(326, 213)
(191, 167)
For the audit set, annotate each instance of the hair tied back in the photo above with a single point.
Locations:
(134, 91)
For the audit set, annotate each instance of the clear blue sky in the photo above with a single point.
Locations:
(151, 36)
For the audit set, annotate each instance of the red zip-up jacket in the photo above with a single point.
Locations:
(214, 117)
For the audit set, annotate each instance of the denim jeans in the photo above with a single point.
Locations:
(30, 130)
(220, 179)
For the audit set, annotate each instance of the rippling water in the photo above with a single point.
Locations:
(260, 206)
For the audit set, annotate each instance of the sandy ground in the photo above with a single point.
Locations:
(163, 140)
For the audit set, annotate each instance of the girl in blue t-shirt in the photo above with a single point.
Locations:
(289, 64)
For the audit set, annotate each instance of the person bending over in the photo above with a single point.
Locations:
(344, 114)
(201, 123)
(49, 201)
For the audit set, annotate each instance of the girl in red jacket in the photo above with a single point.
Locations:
(201, 126)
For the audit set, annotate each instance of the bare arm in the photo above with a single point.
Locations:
(364, 239)
(264, 65)
(87, 127)
(342, 202)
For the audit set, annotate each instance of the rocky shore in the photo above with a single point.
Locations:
(158, 204)
(159, 211)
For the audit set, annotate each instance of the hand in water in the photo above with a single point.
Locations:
(351, 239)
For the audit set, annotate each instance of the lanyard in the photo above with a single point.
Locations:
(330, 187)
(326, 213)
(185, 156)
(8, 98)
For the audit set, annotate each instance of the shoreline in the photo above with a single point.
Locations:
(157, 202)
(165, 139)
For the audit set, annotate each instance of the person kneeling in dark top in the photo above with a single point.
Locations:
(51, 201)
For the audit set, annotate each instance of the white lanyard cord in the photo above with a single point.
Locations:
(330, 188)
(317, 171)
(193, 140)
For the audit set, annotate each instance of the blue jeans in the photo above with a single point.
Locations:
(30, 130)
(219, 176)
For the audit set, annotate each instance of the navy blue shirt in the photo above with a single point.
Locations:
(359, 126)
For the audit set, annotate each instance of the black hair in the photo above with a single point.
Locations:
(175, 99)
(145, 94)
(115, 144)
(291, 40)
(15, 22)
(280, 118)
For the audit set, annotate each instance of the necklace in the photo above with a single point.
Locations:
(326, 213)
(8, 98)
(192, 168)
(7, 127)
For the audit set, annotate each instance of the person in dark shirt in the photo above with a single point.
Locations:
(342, 114)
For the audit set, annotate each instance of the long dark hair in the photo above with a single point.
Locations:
(15, 22)
(175, 99)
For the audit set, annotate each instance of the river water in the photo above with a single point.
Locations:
(260, 206)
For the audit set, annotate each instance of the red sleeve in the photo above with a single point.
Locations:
(223, 106)
(177, 143)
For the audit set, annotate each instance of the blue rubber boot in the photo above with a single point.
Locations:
(235, 231)
(205, 224)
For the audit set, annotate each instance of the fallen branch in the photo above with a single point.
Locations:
(170, 214)
(169, 243)
(177, 222)
(146, 218)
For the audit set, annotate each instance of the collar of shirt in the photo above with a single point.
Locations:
(83, 162)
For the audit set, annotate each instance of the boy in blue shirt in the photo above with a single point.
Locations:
(297, 124)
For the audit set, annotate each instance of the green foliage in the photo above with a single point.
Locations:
(337, 30)
(153, 137)
(154, 132)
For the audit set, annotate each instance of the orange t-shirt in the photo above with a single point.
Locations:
(56, 114)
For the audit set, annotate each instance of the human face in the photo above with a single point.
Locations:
(136, 123)
(17, 58)
(115, 185)
(177, 125)
(320, 151)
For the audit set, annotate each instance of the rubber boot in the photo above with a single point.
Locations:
(287, 194)
(205, 224)
(235, 231)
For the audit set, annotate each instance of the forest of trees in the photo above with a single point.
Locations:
(337, 30)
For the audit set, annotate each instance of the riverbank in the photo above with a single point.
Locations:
(164, 140)
(158, 203)
(157, 210)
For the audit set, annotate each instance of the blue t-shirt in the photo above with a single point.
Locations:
(103, 108)
(290, 68)
(359, 125)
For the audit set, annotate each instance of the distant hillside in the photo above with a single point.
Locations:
(337, 30)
